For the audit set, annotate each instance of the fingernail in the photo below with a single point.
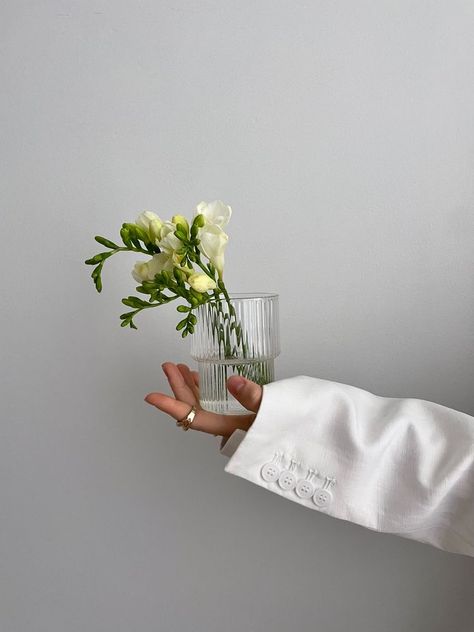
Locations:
(238, 382)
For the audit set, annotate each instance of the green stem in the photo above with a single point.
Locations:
(225, 336)
(204, 268)
(127, 249)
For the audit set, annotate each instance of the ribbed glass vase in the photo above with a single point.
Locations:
(236, 337)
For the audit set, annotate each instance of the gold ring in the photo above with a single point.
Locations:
(188, 420)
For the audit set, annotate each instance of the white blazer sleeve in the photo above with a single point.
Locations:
(400, 466)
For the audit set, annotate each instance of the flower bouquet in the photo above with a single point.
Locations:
(233, 333)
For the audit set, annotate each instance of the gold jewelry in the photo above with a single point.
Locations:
(188, 420)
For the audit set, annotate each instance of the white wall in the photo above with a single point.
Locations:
(342, 135)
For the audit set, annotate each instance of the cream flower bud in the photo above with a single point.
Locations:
(140, 271)
(151, 223)
(155, 229)
(180, 220)
(201, 282)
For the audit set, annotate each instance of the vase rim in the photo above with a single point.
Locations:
(251, 295)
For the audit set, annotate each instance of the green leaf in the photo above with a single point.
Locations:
(181, 233)
(97, 258)
(180, 291)
(196, 294)
(183, 308)
(148, 285)
(127, 318)
(105, 242)
(199, 221)
(181, 324)
(192, 318)
(184, 333)
(96, 272)
(179, 275)
(125, 235)
(141, 233)
(134, 301)
(166, 276)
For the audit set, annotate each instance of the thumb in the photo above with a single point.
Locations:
(248, 393)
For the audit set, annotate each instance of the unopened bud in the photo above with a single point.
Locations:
(180, 220)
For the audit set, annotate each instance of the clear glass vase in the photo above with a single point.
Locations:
(236, 337)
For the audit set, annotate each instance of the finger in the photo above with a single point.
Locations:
(194, 374)
(192, 379)
(204, 420)
(188, 378)
(248, 393)
(178, 384)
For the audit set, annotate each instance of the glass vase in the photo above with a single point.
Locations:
(236, 337)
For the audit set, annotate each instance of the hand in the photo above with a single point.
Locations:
(185, 386)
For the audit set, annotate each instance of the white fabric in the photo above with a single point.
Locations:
(229, 446)
(401, 466)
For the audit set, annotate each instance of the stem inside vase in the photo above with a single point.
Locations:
(238, 335)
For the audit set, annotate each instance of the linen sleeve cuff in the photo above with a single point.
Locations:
(229, 445)
(400, 466)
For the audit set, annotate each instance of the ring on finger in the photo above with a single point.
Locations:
(188, 420)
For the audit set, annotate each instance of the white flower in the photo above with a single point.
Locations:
(215, 212)
(212, 245)
(140, 271)
(168, 241)
(212, 238)
(201, 282)
(146, 270)
(151, 223)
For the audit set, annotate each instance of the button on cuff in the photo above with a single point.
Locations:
(322, 498)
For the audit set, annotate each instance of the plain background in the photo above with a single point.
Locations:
(342, 135)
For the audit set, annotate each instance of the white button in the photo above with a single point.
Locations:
(322, 498)
(304, 489)
(270, 472)
(287, 480)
